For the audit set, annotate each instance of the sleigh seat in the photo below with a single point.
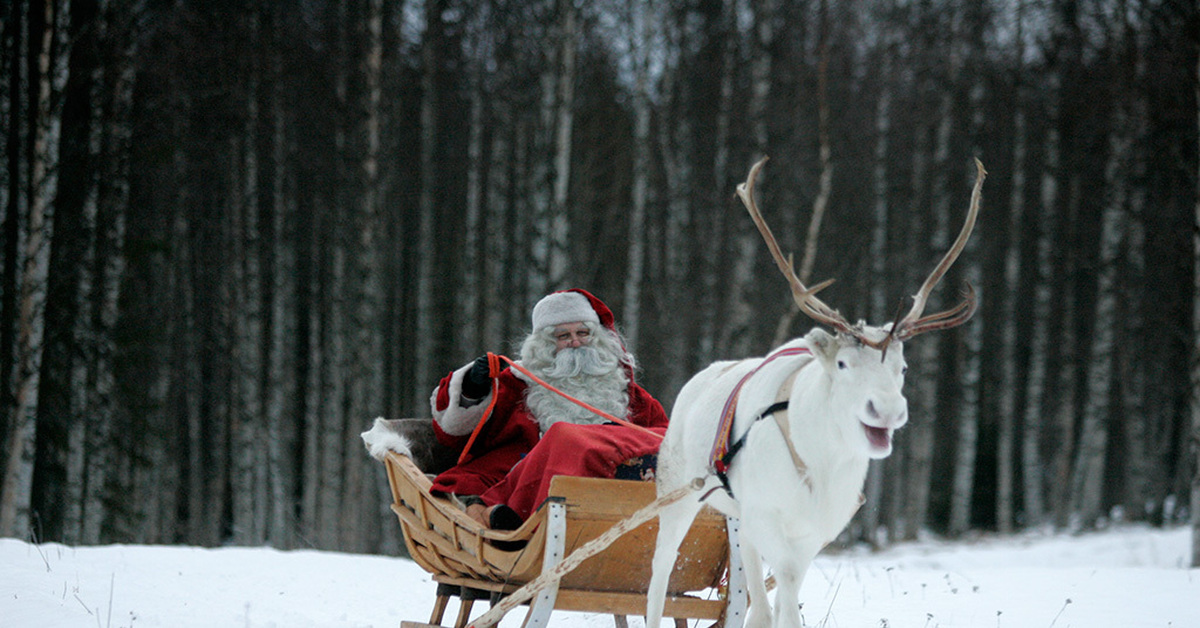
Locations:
(470, 562)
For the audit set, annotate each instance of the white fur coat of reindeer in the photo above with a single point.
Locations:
(796, 478)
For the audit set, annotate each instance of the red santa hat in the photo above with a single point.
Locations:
(571, 306)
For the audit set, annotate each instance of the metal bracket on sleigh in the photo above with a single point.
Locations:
(588, 548)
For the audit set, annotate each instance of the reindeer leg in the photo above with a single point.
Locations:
(789, 575)
(760, 607)
(674, 521)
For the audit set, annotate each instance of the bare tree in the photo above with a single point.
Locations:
(1009, 338)
(425, 315)
(640, 43)
(37, 230)
(1089, 466)
(1195, 370)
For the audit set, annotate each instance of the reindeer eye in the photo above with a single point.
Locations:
(904, 370)
(842, 365)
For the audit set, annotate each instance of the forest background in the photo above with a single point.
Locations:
(235, 232)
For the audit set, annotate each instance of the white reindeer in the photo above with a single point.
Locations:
(795, 477)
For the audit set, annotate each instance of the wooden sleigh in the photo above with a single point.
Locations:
(472, 563)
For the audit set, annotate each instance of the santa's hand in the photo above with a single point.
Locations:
(477, 382)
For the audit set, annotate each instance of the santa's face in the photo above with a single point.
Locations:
(570, 336)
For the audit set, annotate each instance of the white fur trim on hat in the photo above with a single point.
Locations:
(563, 307)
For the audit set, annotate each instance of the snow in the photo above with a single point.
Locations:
(1130, 577)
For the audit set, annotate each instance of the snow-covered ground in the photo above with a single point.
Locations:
(1124, 578)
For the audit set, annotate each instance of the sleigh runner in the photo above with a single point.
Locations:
(473, 563)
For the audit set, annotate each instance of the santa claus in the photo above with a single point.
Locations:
(515, 434)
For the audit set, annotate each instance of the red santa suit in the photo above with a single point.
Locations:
(510, 462)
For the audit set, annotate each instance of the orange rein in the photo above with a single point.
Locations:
(494, 368)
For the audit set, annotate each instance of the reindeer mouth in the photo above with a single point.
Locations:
(879, 437)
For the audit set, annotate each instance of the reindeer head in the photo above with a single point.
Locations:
(864, 386)
(865, 364)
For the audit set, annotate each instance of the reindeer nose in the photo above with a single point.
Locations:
(895, 417)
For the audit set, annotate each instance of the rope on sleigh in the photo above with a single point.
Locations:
(584, 552)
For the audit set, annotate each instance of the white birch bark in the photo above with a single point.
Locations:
(35, 259)
(922, 355)
(246, 408)
(540, 195)
(331, 443)
(825, 179)
(1007, 388)
(1141, 497)
(966, 421)
(872, 513)
(81, 449)
(110, 233)
(736, 336)
(715, 246)
(1064, 379)
(498, 249)
(558, 261)
(423, 358)
(1033, 472)
(639, 45)
(1088, 469)
(281, 386)
(676, 143)
(246, 413)
(366, 385)
(471, 296)
(1195, 372)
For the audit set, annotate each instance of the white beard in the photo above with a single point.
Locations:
(592, 375)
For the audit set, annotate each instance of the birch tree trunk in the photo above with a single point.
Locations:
(500, 184)
(966, 416)
(558, 261)
(1194, 449)
(424, 332)
(715, 245)
(14, 105)
(640, 45)
(1033, 471)
(676, 141)
(247, 410)
(332, 388)
(735, 335)
(1087, 488)
(110, 246)
(69, 320)
(873, 513)
(825, 179)
(366, 383)
(279, 278)
(470, 297)
(1009, 337)
(923, 392)
(35, 258)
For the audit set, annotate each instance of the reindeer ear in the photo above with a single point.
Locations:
(823, 344)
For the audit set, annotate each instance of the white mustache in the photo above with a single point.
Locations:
(585, 360)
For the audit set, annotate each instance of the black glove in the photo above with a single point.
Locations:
(477, 383)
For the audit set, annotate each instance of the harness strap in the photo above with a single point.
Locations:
(722, 456)
(727, 459)
(716, 458)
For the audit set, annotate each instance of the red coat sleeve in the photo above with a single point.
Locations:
(644, 409)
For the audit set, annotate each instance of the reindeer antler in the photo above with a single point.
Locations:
(805, 297)
(912, 324)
